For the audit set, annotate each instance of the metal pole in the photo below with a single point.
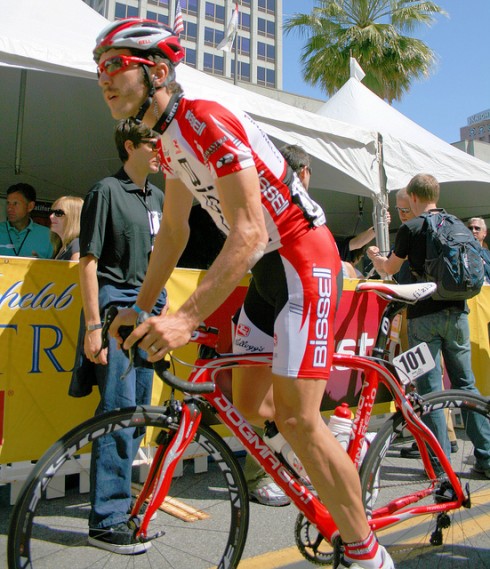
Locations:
(381, 206)
(20, 121)
(235, 66)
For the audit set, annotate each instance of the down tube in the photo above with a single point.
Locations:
(302, 497)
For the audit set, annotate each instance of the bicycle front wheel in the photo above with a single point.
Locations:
(204, 520)
(393, 468)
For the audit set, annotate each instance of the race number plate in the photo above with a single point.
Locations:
(413, 363)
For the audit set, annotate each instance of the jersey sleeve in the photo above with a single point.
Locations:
(223, 143)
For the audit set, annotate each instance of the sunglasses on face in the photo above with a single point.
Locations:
(152, 142)
(113, 65)
(57, 212)
(403, 209)
(474, 228)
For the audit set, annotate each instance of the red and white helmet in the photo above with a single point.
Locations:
(142, 35)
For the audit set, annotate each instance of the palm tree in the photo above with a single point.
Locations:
(372, 32)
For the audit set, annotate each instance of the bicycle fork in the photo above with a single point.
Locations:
(170, 449)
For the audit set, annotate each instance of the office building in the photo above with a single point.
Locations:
(258, 44)
(477, 128)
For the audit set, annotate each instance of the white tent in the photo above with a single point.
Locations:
(57, 132)
(409, 149)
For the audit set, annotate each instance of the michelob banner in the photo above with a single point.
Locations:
(39, 317)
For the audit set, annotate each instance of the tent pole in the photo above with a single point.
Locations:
(20, 121)
(381, 206)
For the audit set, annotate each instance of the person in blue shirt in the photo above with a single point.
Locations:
(19, 235)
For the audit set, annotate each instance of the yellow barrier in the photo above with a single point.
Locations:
(39, 315)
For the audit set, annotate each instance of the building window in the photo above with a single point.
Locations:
(162, 18)
(244, 21)
(190, 57)
(215, 13)
(243, 45)
(266, 77)
(190, 31)
(270, 78)
(268, 6)
(189, 6)
(213, 37)
(266, 28)
(123, 11)
(244, 71)
(214, 63)
(163, 3)
(266, 51)
(246, 3)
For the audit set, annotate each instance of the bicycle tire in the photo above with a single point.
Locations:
(213, 504)
(385, 474)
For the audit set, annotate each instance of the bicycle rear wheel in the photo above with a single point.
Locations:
(205, 521)
(388, 472)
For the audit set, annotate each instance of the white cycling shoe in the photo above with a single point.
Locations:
(386, 564)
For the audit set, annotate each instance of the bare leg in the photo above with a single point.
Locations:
(252, 394)
(297, 403)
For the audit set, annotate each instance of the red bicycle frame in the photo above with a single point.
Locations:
(375, 372)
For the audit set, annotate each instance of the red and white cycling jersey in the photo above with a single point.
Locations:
(204, 141)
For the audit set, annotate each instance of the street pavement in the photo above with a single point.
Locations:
(271, 542)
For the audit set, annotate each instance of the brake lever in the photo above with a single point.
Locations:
(109, 316)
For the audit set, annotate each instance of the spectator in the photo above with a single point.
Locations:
(350, 268)
(19, 235)
(443, 325)
(404, 276)
(65, 225)
(478, 227)
(120, 219)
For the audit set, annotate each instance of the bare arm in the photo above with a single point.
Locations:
(169, 243)
(362, 239)
(384, 265)
(241, 204)
(89, 287)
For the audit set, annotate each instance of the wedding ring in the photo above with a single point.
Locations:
(153, 349)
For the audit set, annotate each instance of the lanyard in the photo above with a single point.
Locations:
(17, 253)
(153, 231)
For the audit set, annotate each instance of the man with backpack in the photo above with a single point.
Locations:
(442, 324)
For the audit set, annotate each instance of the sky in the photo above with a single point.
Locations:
(459, 83)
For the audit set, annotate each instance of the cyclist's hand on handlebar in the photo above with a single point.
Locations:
(160, 334)
(125, 317)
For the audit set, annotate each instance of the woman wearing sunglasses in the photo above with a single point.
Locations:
(65, 227)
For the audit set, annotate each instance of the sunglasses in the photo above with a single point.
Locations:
(57, 212)
(113, 65)
(151, 142)
(403, 209)
(474, 228)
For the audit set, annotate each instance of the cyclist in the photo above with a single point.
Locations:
(224, 160)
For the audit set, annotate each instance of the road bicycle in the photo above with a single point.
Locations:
(431, 510)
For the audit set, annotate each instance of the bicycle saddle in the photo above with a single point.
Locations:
(409, 293)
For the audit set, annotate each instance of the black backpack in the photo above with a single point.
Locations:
(453, 257)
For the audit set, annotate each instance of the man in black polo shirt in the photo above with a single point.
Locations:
(442, 324)
(120, 219)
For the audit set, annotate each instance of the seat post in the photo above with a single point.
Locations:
(391, 310)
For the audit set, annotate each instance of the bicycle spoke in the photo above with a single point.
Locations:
(203, 521)
(388, 474)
